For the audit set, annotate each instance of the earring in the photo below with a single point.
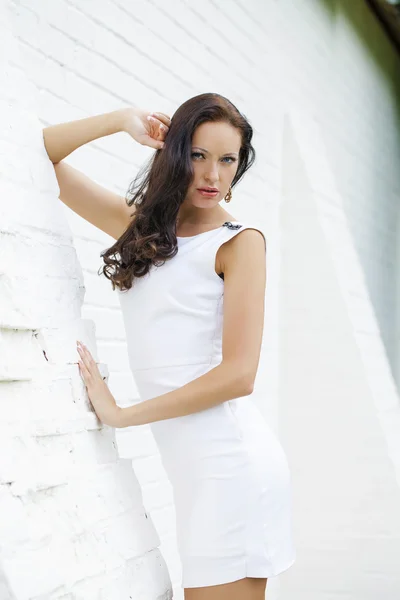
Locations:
(228, 196)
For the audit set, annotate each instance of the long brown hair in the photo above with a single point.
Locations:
(160, 188)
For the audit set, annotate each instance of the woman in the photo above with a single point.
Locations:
(191, 282)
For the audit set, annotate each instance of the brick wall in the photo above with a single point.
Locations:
(325, 64)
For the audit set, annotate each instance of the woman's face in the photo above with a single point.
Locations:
(215, 155)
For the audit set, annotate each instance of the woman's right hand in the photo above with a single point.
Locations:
(147, 128)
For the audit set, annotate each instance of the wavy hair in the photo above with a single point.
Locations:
(160, 188)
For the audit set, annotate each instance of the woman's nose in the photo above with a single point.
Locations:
(212, 173)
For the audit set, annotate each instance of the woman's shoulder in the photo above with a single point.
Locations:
(231, 239)
(236, 225)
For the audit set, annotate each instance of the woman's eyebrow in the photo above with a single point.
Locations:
(206, 151)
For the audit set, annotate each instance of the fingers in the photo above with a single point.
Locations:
(82, 363)
(87, 364)
(161, 129)
(162, 117)
(152, 143)
(156, 135)
(84, 352)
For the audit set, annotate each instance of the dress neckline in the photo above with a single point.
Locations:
(188, 237)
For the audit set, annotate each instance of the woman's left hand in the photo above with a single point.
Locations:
(98, 392)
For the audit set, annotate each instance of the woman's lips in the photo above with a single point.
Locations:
(207, 194)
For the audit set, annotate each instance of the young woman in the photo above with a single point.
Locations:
(191, 282)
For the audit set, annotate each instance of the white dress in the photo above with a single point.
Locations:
(229, 474)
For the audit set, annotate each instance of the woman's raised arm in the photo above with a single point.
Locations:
(103, 208)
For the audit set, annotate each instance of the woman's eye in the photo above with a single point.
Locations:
(229, 158)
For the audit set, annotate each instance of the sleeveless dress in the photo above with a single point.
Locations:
(229, 474)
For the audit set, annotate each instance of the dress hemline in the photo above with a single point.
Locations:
(231, 576)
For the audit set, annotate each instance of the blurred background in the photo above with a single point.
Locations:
(87, 512)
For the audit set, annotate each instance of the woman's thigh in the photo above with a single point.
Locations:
(249, 588)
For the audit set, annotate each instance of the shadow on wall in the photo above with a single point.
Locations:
(339, 403)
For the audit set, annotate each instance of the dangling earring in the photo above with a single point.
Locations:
(228, 196)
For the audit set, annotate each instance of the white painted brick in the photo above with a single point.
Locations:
(332, 284)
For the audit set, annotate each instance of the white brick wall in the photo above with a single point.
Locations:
(318, 81)
(339, 405)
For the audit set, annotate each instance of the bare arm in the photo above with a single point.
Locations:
(223, 382)
(103, 208)
(62, 139)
